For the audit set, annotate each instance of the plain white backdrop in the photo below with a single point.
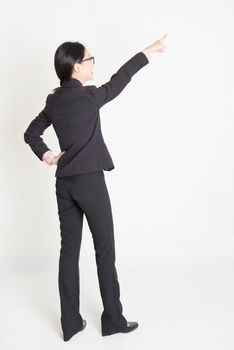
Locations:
(170, 134)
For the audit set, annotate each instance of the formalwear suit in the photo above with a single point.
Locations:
(73, 110)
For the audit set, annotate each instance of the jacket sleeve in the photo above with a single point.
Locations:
(108, 91)
(35, 129)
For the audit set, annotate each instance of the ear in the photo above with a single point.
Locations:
(76, 67)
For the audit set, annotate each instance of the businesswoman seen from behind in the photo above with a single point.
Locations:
(73, 110)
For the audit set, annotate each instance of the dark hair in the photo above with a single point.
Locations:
(66, 55)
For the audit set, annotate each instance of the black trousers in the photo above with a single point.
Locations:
(77, 195)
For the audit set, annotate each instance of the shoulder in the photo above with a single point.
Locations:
(54, 90)
(89, 89)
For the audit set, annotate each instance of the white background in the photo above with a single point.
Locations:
(170, 134)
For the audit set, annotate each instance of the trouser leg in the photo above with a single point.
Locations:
(71, 221)
(92, 196)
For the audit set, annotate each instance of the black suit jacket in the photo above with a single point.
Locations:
(73, 110)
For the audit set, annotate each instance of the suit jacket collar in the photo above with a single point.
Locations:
(72, 82)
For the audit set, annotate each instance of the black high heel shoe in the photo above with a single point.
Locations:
(130, 327)
(68, 336)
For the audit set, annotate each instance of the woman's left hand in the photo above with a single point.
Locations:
(55, 159)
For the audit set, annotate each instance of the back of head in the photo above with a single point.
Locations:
(66, 55)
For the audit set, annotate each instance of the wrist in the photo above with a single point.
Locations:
(147, 51)
(48, 157)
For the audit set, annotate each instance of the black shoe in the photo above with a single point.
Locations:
(68, 337)
(130, 327)
(84, 325)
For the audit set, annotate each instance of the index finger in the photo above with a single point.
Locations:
(164, 36)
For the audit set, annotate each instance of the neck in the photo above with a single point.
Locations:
(82, 82)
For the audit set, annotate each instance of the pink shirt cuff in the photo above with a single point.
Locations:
(148, 53)
(47, 156)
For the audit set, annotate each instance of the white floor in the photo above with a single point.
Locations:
(179, 303)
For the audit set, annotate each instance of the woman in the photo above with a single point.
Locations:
(73, 110)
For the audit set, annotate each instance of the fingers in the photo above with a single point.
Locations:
(164, 36)
(61, 153)
(53, 160)
(56, 158)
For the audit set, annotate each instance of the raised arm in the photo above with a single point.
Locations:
(108, 91)
(118, 81)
